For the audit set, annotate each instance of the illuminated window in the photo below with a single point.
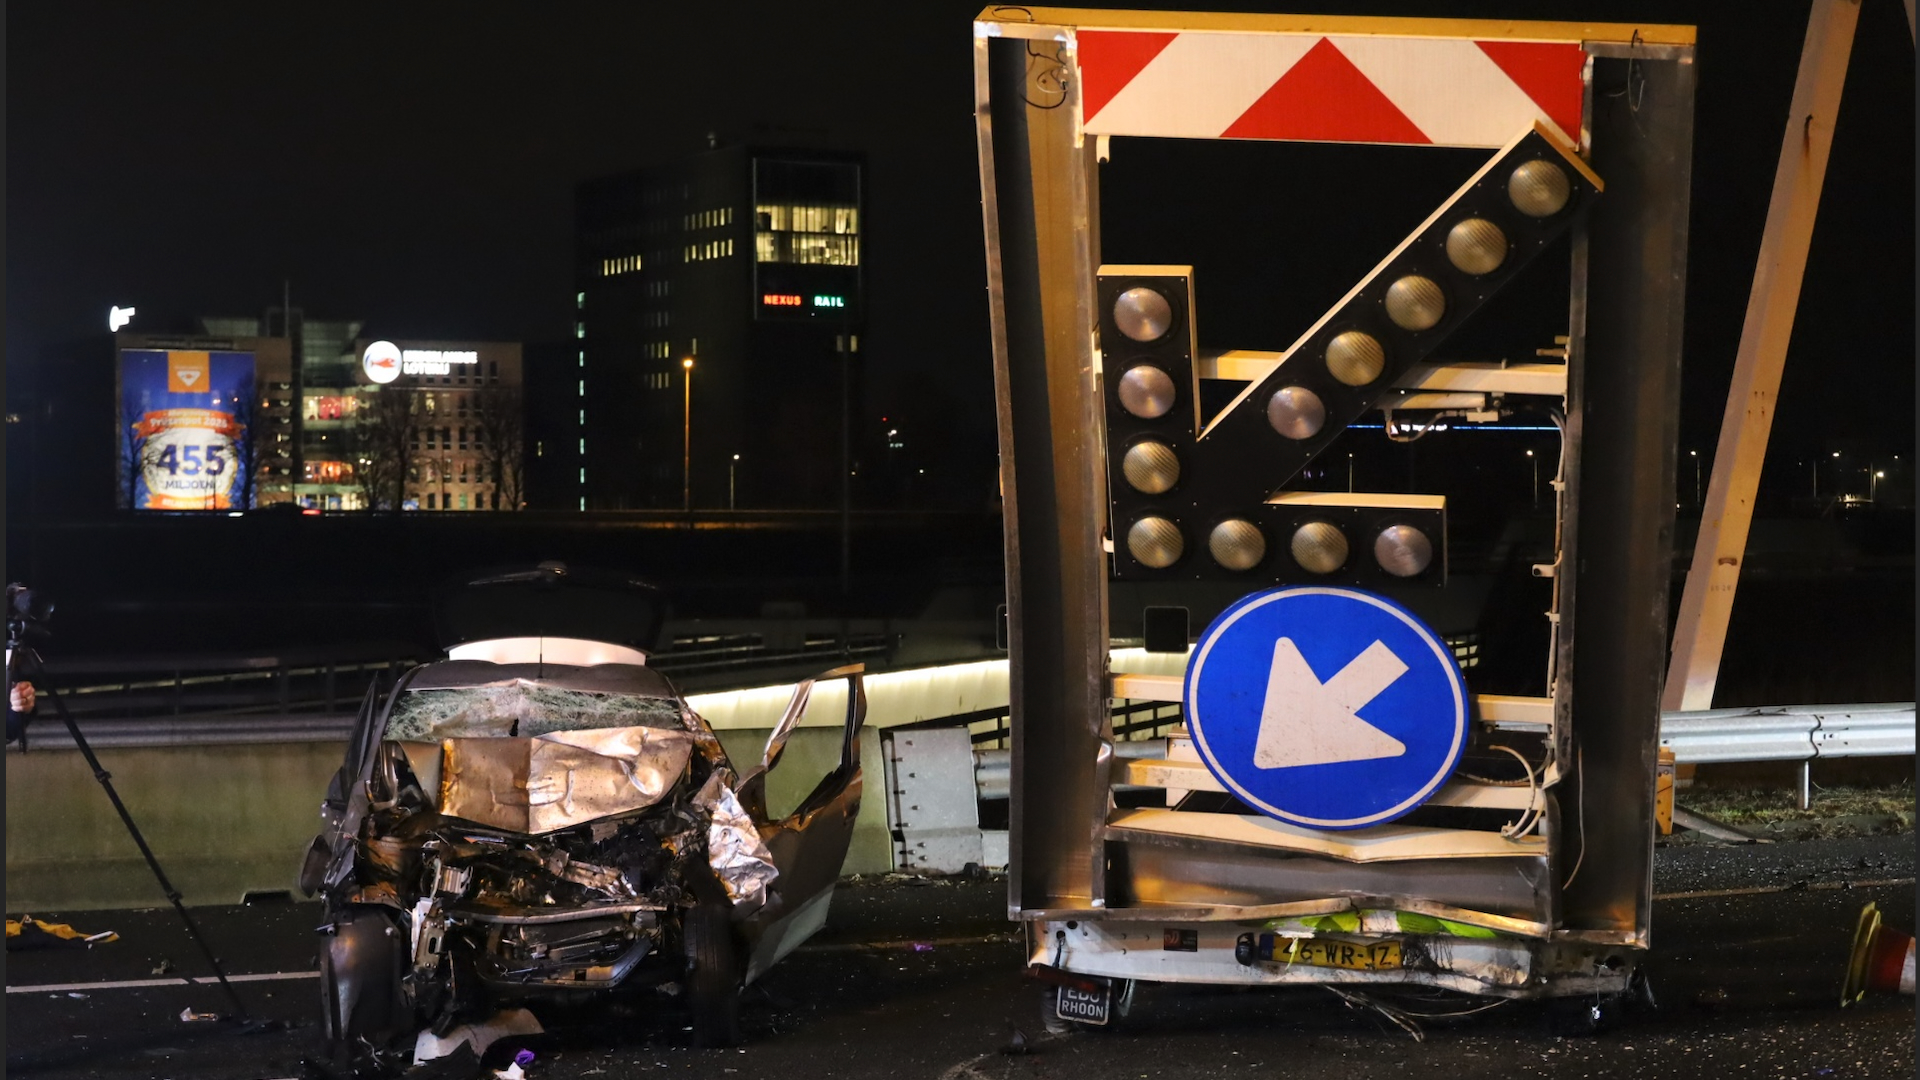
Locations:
(579, 329)
(583, 359)
(627, 264)
(580, 300)
(808, 233)
(583, 446)
(463, 502)
(712, 249)
(583, 498)
(583, 388)
(583, 479)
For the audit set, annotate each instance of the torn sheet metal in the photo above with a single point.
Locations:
(561, 779)
(734, 848)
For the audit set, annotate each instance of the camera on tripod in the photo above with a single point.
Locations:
(27, 615)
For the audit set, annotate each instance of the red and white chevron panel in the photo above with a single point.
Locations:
(1336, 88)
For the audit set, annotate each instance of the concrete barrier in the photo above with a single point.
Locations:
(231, 818)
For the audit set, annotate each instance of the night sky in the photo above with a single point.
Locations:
(413, 165)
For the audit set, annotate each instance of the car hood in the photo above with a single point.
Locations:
(544, 783)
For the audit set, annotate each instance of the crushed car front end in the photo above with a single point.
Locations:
(507, 831)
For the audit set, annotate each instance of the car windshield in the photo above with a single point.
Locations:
(523, 708)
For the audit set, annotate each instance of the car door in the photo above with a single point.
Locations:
(809, 845)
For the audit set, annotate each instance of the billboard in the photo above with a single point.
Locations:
(183, 427)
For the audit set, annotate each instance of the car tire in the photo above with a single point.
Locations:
(361, 994)
(713, 970)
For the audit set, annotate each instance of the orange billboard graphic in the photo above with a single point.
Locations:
(186, 372)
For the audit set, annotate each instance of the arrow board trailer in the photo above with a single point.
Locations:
(1340, 803)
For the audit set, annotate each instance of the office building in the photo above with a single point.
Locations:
(718, 312)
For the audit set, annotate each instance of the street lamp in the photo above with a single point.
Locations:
(1349, 474)
(686, 441)
(1873, 484)
(1695, 455)
(1535, 462)
(730, 467)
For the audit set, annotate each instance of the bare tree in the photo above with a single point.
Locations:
(137, 451)
(250, 446)
(501, 413)
(384, 428)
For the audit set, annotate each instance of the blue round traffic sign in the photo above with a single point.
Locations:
(1326, 707)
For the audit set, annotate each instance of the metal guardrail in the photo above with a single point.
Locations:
(1789, 733)
(215, 699)
(48, 733)
(1767, 733)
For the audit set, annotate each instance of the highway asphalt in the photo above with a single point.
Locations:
(919, 980)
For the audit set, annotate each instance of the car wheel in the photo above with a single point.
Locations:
(361, 996)
(713, 972)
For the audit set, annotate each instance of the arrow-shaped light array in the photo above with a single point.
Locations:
(1206, 503)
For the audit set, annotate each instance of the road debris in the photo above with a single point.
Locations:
(428, 1046)
(188, 1016)
(28, 932)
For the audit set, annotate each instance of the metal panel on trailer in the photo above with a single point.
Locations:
(1617, 558)
(1052, 476)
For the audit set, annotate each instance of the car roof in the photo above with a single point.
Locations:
(598, 678)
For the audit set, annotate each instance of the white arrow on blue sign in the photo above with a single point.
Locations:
(1326, 707)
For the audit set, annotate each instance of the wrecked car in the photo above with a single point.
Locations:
(546, 817)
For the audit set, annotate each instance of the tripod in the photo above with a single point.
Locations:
(17, 649)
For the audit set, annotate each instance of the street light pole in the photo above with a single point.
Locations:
(731, 465)
(1695, 454)
(1536, 477)
(686, 439)
(1349, 474)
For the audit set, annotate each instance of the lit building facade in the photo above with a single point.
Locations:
(330, 453)
(465, 439)
(718, 311)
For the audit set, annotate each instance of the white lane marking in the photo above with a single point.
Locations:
(910, 943)
(205, 980)
(135, 984)
(1763, 890)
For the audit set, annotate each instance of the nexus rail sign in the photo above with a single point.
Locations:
(1144, 463)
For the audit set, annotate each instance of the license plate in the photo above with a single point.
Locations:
(1348, 955)
(1085, 1006)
